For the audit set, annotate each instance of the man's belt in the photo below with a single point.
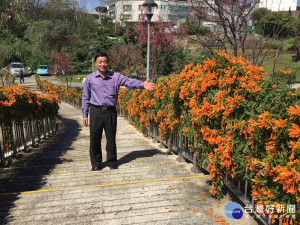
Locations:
(104, 108)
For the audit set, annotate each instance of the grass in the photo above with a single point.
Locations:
(281, 63)
(75, 78)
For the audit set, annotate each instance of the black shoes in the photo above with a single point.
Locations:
(99, 168)
(96, 168)
(113, 167)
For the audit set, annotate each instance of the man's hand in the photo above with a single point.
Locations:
(85, 122)
(149, 86)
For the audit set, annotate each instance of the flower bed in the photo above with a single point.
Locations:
(25, 117)
(66, 92)
(17, 103)
(243, 126)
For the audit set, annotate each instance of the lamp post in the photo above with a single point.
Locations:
(149, 4)
(92, 50)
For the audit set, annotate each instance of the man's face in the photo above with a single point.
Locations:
(102, 64)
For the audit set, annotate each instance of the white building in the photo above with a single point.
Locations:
(129, 11)
(99, 13)
(279, 5)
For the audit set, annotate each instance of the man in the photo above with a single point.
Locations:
(100, 96)
(21, 75)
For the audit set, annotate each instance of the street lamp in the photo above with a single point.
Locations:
(92, 50)
(149, 4)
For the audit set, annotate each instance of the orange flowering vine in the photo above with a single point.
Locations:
(242, 126)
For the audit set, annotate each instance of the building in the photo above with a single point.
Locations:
(279, 5)
(99, 13)
(130, 11)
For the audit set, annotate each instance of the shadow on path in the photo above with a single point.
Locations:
(27, 173)
(138, 154)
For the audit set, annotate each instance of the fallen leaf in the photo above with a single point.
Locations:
(141, 193)
(199, 199)
(188, 208)
(166, 208)
(203, 192)
(171, 211)
(208, 212)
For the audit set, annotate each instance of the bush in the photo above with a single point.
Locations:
(243, 126)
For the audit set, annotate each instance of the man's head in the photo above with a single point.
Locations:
(102, 62)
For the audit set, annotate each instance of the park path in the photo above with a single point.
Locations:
(53, 184)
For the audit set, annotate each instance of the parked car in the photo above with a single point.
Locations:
(15, 67)
(42, 70)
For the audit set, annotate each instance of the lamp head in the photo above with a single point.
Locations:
(92, 48)
(149, 3)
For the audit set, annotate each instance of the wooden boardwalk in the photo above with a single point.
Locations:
(53, 183)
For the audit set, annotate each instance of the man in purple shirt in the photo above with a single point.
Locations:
(100, 96)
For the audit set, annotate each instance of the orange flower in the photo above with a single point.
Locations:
(285, 72)
(264, 120)
(288, 178)
(295, 131)
(279, 124)
(271, 147)
(269, 194)
(185, 130)
(293, 111)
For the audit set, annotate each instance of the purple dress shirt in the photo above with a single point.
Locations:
(104, 91)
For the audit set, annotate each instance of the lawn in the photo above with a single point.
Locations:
(281, 63)
(75, 78)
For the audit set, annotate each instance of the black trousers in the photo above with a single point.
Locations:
(22, 79)
(99, 120)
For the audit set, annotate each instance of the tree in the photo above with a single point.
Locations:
(275, 24)
(231, 23)
(61, 65)
(232, 29)
(258, 14)
(129, 57)
(162, 45)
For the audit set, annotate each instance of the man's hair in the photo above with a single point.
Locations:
(101, 55)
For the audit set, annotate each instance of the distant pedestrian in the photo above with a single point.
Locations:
(21, 75)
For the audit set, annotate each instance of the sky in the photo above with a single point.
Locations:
(90, 4)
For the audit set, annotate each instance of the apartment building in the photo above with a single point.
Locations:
(99, 13)
(130, 11)
(279, 5)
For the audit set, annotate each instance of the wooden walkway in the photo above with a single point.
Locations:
(53, 183)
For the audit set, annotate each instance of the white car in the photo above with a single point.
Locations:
(15, 67)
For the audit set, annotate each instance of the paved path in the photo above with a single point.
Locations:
(53, 183)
